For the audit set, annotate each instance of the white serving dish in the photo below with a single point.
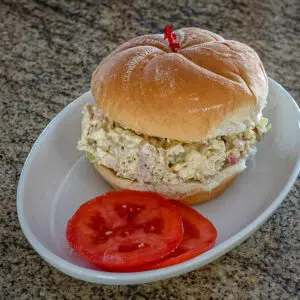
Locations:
(56, 179)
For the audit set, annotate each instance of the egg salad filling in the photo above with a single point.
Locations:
(161, 160)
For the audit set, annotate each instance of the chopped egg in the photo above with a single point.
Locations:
(155, 160)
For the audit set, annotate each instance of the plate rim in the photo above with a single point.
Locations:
(130, 278)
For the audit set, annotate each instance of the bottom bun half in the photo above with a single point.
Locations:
(189, 192)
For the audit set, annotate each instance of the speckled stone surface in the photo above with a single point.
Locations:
(48, 50)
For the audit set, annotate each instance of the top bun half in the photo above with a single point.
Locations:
(209, 87)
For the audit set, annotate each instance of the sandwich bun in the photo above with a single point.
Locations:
(209, 87)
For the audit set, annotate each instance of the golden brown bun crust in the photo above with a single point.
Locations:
(187, 95)
(188, 193)
(203, 196)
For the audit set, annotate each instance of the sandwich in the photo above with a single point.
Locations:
(179, 122)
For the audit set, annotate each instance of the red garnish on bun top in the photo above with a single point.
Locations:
(171, 38)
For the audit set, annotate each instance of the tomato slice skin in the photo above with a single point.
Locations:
(199, 236)
(124, 230)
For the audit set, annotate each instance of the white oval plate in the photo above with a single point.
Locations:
(57, 179)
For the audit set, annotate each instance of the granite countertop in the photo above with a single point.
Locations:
(48, 50)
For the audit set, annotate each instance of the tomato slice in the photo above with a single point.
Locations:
(126, 229)
(199, 236)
